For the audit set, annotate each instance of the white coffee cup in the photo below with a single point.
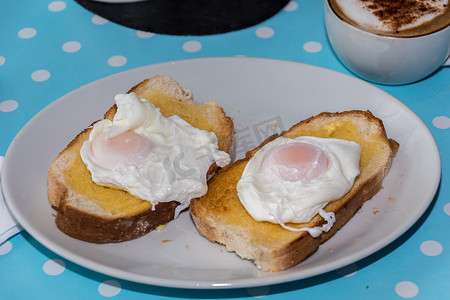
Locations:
(385, 59)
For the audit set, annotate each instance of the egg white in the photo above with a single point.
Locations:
(176, 167)
(268, 197)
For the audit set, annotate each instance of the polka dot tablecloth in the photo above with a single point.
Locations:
(49, 48)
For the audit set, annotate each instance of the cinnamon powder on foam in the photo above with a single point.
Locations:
(397, 13)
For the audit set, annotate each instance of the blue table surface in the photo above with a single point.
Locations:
(49, 48)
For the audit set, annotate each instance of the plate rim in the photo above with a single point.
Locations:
(234, 283)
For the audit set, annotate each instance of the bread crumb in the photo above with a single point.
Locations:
(275, 125)
(375, 210)
(330, 250)
(166, 241)
(187, 246)
(391, 199)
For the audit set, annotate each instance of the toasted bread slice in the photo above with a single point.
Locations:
(98, 214)
(220, 217)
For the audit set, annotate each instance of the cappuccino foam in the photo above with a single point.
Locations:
(394, 17)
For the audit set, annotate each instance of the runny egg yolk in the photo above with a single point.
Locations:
(127, 148)
(300, 161)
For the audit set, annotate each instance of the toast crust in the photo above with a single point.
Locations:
(220, 217)
(91, 228)
(83, 217)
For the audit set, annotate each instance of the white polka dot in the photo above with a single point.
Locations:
(97, 20)
(109, 288)
(406, 289)
(2, 60)
(447, 208)
(264, 32)
(40, 75)
(27, 33)
(192, 46)
(347, 271)
(5, 248)
(431, 248)
(54, 267)
(117, 61)
(441, 122)
(72, 46)
(291, 6)
(144, 34)
(57, 6)
(312, 47)
(259, 292)
(8, 105)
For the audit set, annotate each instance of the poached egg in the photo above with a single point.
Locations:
(292, 180)
(152, 157)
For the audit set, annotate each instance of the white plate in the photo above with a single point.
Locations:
(262, 96)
